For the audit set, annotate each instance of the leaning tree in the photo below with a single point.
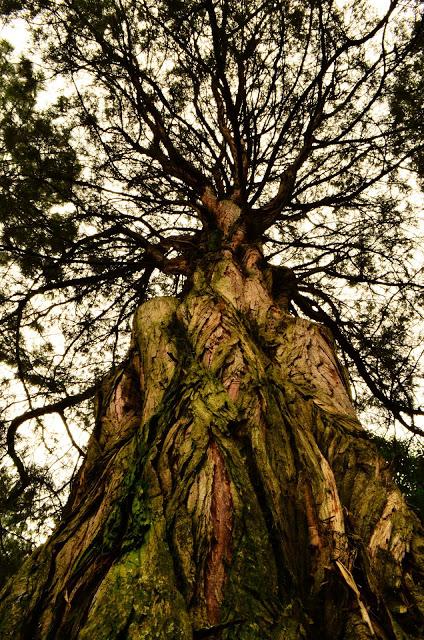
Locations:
(233, 174)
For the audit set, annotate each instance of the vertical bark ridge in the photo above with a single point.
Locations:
(229, 490)
(222, 524)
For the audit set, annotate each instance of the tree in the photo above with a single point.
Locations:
(228, 489)
(408, 469)
(35, 153)
(406, 101)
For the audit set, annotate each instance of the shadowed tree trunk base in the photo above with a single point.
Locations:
(229, 490)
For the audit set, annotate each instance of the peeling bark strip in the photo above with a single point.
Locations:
(347, 576)
(382, 537)
(228, 490)
(311, 518)
(222, 525)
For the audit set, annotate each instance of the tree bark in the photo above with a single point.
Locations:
(229, 490)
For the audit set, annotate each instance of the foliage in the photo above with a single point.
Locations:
(407, 465)
(15, 539)
(407, 102)
(294, 111)
(37, 165)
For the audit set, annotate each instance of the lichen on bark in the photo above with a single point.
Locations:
(229, 490)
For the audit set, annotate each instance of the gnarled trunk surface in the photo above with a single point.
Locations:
(229, 490)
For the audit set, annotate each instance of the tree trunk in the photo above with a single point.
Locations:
(229, 490)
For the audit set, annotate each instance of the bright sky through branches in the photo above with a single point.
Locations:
(17, 32)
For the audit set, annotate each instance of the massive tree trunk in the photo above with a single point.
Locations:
(229, 490)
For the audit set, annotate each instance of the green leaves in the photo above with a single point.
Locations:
(38, 167)
(407, 465)
(407, 101)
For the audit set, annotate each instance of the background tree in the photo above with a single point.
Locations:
(37, 163)
(406, 101)
(407, 466)
(15, 533)
(203, 145)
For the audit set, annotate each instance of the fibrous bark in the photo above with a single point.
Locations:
(229, 490)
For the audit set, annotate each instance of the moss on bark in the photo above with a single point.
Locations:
(229, 490)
